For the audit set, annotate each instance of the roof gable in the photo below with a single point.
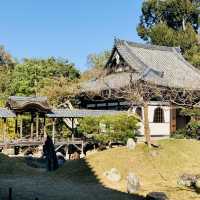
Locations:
(162, 65)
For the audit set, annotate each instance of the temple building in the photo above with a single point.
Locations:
(129, 61)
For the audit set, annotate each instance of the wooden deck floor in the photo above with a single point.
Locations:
(30, 143)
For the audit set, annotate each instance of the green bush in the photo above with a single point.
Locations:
(192, 131)
(179, 134)
(110, 128)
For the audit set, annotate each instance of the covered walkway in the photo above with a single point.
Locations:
(38, 108)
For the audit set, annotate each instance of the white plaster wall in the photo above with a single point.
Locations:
(156, 129)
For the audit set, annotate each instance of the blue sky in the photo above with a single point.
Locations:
(66, 28)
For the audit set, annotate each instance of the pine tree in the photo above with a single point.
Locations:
(172, 23)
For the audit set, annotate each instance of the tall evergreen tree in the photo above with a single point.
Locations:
(172, 23)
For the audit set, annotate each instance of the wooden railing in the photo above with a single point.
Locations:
(32, 142)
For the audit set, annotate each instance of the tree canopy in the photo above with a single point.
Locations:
(96, 63)
(28, 77)
(172, 23)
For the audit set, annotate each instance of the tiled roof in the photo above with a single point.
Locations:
(113, 81)
(77, 113)
(172, 69)
(20, 103)
(163, 66)
(5, 113)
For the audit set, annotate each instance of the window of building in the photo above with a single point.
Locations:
(138, 111)
(158, 115)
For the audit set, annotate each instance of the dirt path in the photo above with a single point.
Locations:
(47, 188)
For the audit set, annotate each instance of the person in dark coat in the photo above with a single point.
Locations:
(50, 154)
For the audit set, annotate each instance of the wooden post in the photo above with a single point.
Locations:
(37, 125)
(21, 127)
(172, 119)
(72, 129)
(4, 131)
(16, 125)
(53, 130)
(31, 125)
(44, 126)
(82, 148)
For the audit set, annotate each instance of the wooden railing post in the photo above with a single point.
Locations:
(32, 119)
(5, 132)
(53, 130)
(21, 127)
(37, 125)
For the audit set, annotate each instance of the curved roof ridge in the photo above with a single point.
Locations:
(147, 46)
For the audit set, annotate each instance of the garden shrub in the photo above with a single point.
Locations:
(192, 131)
(110, 128)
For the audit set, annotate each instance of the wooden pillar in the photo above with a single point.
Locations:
(172, 119)
(31, 126)
(21, 127)
(4, 130)
(82, 147)
(44, 127)
(72, 129)
(16, 125)
(37, 125)
(53, 130)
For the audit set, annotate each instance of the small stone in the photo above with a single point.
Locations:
(113, 175)
(130, 143)
(133, 184)
(154, 153)
(156, 196)
(187, 180)
(75, 156)
(197, 186)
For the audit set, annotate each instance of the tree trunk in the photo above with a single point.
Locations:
(146, 125)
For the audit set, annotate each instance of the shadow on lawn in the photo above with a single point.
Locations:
(76, 180)
(81, 172)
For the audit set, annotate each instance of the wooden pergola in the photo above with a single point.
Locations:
(38, 108)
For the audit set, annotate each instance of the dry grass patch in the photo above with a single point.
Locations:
(157, 172)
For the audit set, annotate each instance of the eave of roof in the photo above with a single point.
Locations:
(79, 113)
